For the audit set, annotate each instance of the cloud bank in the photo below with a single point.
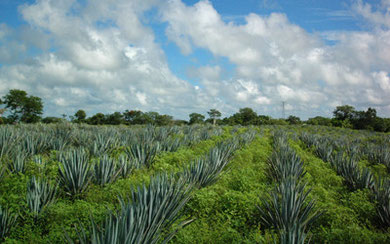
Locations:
(103, 56)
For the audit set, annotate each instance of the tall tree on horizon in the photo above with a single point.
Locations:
(23, 108)
(214, 114)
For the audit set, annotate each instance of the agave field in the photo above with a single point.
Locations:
(72, 183)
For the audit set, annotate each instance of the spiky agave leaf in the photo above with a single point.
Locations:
(382, 196)
(74, 171)
(143, 153)
(39, 195)
(18, 163)
(7, 221)
(146, 217)
(126, 165)
(348, 168)
(287, 206)
(287, 209)
(8, 138)
(324, 151)
(285, 163)
(295, 235)
(201, 173)
(105, 171)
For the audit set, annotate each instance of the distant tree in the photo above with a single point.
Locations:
(319, 120)
(180, 122)
(382, 124)
(293, 120)
(52, 120)
(115, 118)
(196, 118)
(263, 120)
(214, 115)
(80, 116)
(245, 116)
(132, 117)
(163, 120)
(248, 116)
(364, 120)
(343, 112)
(23, 108)
(97, 119)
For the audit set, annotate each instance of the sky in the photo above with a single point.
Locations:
(177, 57)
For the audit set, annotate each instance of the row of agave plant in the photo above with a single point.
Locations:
(19, 144)
(344, 158)
(149, 212)
(78, 168)
(29, 140)
(287, 208)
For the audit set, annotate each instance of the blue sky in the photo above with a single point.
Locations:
(178, 57)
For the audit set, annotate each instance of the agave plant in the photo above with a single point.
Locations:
(105, 171)
(74, 171)
(288, 210)
(382, 196)
(201, 173)
(39, 195)
(146, 217)
(2, 172)
(8, 138)
(284, 164)
(7, 221)
(143, 153)
(247, 137)
(349, 169)
(171, 144)
(295, 235)
(379, 154)
(205, 171)
(18, 163)
(126, 165)
(324, 151)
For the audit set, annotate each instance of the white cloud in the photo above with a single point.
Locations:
(281, 61)
(103, 56)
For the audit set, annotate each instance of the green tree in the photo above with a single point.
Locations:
(97, 119)
(80, 116)
(164, 119)
(214, 115)
(196, 118)
(344, 112)
(245, 116)
(132, 116)
(23, 108)
(115, 118)
(52, 120)
(293, 120)
(319, 120)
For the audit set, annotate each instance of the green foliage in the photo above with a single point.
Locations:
(293, 120)
(80, 116)
(196, 118)
(23, 108)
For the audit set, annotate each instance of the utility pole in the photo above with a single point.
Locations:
(283, 113)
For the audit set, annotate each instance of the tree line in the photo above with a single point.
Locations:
(24, 108)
